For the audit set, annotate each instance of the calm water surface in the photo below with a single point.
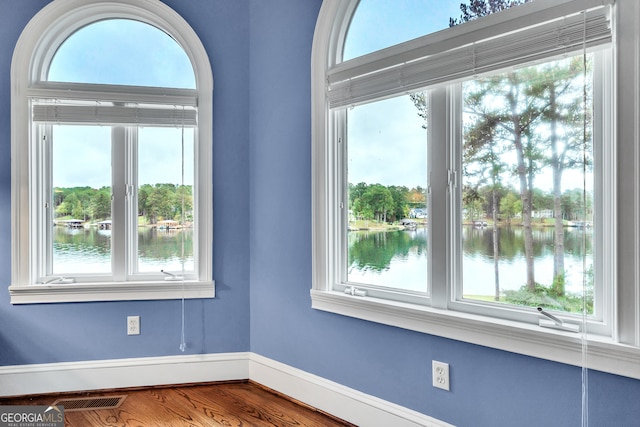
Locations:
(88, 250)
(398, 259)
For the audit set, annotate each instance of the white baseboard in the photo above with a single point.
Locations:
(343, 402)
(122, 373)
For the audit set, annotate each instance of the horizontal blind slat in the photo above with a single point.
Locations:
(113, 115)
(561, 36)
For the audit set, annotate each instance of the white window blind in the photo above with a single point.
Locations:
(447, 59)
(115, 115)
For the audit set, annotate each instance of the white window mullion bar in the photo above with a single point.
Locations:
(340, 149)
(118, 203)
(454, 192)
(131, 200)
(44, 202)
(437, 167)
(605, 192)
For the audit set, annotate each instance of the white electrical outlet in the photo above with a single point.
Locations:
(133, 325)
(440, 374)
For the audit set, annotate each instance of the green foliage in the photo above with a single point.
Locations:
(379, 201)
(375, 250)
(155, 202)
(509, 202)
(474, 209)
(384, 203)
(553, 297)
(165, 202)
(510, 205)
(77, 211)
(417, 197)
(419, 100)
(573, 202)
(100, 205)
(480, 8)
(392, 203)
(557, 287)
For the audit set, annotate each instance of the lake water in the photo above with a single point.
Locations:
(398, 259)
(88, 250)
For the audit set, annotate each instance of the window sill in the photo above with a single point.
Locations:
(603, 354)
(110, 291)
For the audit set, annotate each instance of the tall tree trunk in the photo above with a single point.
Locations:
(525, 192)
(556, 167)
(528, 239)
(525, 197)
(529, 230)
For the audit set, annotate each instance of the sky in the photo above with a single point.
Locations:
(387, 144)
(377, 24)
(119, 51)
(122, 52)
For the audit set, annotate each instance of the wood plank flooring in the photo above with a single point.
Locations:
(220, 404)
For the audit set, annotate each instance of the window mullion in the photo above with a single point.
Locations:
(604, 147)
(604, 196)
(119, 192)
(340, 187)
(438, 184)
(44, 209)
(454, 202)
(131, 201)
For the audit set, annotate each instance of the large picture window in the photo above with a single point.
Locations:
(527, 193)
(117, 115)
(464, 169)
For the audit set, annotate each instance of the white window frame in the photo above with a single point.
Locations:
(613, 348)
(33, 53)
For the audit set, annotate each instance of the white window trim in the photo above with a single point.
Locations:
(619, 353)
(32, 54)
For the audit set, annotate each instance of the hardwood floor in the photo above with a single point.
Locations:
(220, 404)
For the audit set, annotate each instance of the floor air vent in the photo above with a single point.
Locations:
(90, 403)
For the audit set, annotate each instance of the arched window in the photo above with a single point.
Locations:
(111, 140)
(122, 52)
(445, 161)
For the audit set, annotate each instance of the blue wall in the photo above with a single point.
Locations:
(260, 52)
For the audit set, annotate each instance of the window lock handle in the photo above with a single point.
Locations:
(171, 276)
(556, 323)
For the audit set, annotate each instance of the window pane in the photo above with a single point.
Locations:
(377, 24)
(527, 196)
(122, 52)
(81, 199)
(165, 200)
(387, 181)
